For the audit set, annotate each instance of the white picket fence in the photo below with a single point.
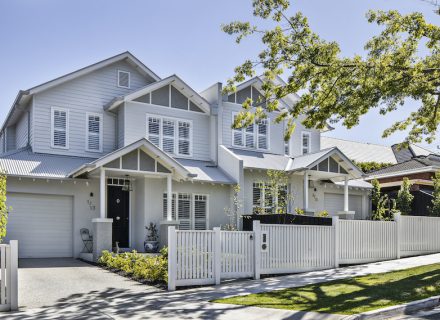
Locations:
(8, 276)
(206, 257)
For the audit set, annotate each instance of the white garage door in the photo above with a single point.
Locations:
(334, 202)
(42, 224)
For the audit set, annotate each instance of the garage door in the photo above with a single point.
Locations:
(334, 202)
(42, 224)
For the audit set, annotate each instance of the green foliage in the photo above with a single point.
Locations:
(375, 193)
(381, 203)
(322, 214)
(276, 181)
(371, 165)
(4, 209)
(147, 268)
(404, 197)
(435, 208)
(153, 234)
(299, 211)
(234, 212)
(340, 88)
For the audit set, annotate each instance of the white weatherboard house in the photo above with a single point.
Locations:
(115, 144)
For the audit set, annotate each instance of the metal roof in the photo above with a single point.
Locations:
(412, 164)
(206, 171)
(24, 162)
(260, 160)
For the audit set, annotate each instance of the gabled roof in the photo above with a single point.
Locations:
(142, 143)
(24, 95)
(175, 80)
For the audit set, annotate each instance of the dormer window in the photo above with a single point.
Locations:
(305, 142)
(60, 128)
(94, 132)
(123, 79)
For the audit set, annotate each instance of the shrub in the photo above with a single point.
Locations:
(299, 211)
(322, 214)
(404, 197)
(145, 268)
(434, 209)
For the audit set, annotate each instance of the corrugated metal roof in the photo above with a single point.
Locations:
(206, 171)
(359, 151)
(414, 163)
(260, 160)
(24, 162)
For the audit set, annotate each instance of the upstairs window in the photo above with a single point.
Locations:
(255, 136)
(171, 135)
(94, 132)
(60, 128)
(123, 79)
(305, 142)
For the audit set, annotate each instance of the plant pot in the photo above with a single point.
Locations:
(151, 246)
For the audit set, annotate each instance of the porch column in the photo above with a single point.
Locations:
(102, 193)
(346, 194)
(306, 190)
(169, 198)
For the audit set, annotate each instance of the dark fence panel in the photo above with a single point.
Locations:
(284, 219)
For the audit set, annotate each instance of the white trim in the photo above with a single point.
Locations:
(129, 79)
(303, 134)
(101, 126)
(174, 109)
(176, 133)
(255, 135)
(52, 129)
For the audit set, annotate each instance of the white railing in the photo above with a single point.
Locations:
(8, 276)
(419, 235)
(362, 241)
(206, 257)
(294, 248)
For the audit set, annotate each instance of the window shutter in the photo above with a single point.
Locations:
(200, 212)
(165, 206)
(237, 136)
(59, 128)
(257, 196)
(184, 138)
(168, 136)
(249, 136)
(305, 143)
(94, 132)
(154, 130)
(184, 211)
(124, 79)
(262, 134)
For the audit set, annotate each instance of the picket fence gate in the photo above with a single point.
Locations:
(205, 257)
(8, 276)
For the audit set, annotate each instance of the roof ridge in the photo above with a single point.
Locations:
(369, 143)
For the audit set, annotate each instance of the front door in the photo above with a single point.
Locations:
(118, 208)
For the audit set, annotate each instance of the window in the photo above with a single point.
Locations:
(305, 142)
(171, 135)
(60, 128)
(191, 210)
(123, 79)
(286, 148)
(255, 136)
(264, 202)
(94, 132)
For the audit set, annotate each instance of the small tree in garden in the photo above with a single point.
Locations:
(234, 212)
(435, 208)
(404, 197)
(380, 203)
(4, 209)
(277, 182)
(375, 193)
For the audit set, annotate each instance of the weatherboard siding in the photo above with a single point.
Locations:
(21, 133)
(10, 138)
(88, 93)
(135, 125)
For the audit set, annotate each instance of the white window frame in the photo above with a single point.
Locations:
(176, 133)
(52, 127)
(263, 187)
(304, 134)
(255, 133)
(101, 126)
(129, 79)
(192, 218)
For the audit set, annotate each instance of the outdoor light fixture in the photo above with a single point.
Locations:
(127, 185)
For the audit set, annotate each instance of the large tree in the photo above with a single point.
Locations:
(338, 88)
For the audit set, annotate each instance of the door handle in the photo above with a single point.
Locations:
(118, 218)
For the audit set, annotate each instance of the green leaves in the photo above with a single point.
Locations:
(342, 89)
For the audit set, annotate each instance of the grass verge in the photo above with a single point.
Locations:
(351, 296)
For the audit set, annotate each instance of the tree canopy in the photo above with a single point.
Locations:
(335, 88)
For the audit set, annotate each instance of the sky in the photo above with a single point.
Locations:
(41, 40)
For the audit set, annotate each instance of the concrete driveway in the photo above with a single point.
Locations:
(48, 282)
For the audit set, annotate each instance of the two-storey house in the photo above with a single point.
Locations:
(115, 143)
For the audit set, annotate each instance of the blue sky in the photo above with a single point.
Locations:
(44, 39)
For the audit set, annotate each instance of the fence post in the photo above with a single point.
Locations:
(256, 227)
(172, 258)
(398, 222)
(217, 255)
(13, 265)
(335, 224)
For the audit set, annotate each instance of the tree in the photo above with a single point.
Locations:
(404, 197)
(4, 209)
(375, 193)
(369, 166)
(337, 88)
(234, 212)
(435, 208)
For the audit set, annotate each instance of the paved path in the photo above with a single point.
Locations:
(111, 296)
(433, 314)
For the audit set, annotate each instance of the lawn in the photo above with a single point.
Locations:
(351, 296)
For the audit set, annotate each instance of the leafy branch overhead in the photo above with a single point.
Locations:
(337, 88)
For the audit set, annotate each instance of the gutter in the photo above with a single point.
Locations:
(20, 94)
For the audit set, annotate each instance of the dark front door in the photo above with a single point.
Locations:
(118, 208)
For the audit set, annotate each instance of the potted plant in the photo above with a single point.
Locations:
(151, 243)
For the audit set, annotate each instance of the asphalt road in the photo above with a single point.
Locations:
(433, 314)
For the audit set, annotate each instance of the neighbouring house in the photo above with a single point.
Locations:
(414, 162)
(113, 144)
